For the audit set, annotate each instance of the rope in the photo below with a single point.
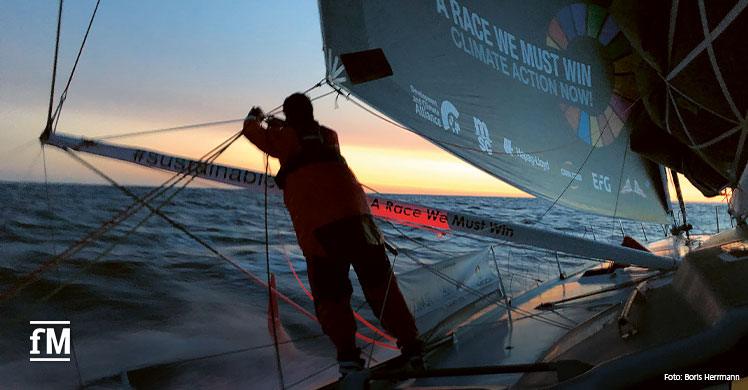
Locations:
(474, 238)
(170, 129)
(568, 185)
(274, 332)
(18, 148)
(439, 143)
(110, 224)
(453, 281)
(202, 124)
(384, 304)
(620, 182)
(200, 241)
(103, 228)
(592, 149)
(54, 119)
(273, 314)
(356, 313)
(64, 94)
(304, 379)
(150, 196)
(54, 251)
(54, 69)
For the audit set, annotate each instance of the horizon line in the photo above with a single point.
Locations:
(227, 187)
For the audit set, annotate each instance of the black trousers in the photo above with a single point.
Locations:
(357, 241)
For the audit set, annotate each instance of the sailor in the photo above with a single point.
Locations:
(334, 228)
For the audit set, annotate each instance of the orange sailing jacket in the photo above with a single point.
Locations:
(316, 194)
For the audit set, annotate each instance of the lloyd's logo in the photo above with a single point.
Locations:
(50, 342)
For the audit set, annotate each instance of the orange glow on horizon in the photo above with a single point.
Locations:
(383, 156)
(421, 169)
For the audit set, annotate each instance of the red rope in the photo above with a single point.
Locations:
(358, 316)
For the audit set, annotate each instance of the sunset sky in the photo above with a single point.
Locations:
(154, 64)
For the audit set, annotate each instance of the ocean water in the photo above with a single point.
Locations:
(146, 298)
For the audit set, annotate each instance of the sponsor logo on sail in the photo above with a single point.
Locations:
(444, 115)
(628, 188)
(426, 107)
(484, 137)
(335, 68)
(450, 116)
(572, 174)
(508, 146)
(531, 159)
(601, 182)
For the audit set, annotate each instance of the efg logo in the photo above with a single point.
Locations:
(55, 340)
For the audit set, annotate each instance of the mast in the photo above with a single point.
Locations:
(738, 206)
(685, 226)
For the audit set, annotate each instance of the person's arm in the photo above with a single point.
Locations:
(264, 139)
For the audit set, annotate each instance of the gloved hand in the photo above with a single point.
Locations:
(256, 114)
(274, 122)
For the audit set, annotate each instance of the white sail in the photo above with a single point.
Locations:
(538, 94)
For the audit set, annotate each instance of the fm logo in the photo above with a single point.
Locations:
(601, 182)
(57, 347)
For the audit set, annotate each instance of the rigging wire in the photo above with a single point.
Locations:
(684, 227)
(568, 185)
(432, 140)
(312, 375)
(197, 239)
(618, 191)
(273, 315)
(150, 196)
(271, 306)
(170, 129)
(54, 119)
(451, 280)
(18, 148)
(47, 130)
(51, 214)
(474, 238)
(592, 149)
(102, 229)
(202, 124)
(356, 311)
(218, 150)
(125, 214)
(274, 332)
(64, 95)
(48, 127)
(384, 304)
(620, 181)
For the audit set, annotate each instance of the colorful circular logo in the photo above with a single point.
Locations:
(589, 29)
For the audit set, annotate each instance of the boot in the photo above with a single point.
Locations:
(346, 367)
(411, 356)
